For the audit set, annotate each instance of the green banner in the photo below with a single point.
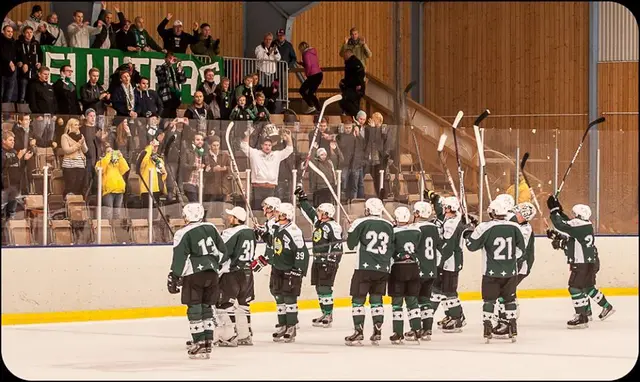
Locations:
(107, 60)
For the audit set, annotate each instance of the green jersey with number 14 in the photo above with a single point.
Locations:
(581, 246)
(502, 245)
(241, 244)
(197, 247)
(375, 236)
(429, 255)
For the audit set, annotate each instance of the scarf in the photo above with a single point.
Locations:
(75, 136)
(209, 87)
(128, 93)
(198, 150)
(141, 40)
(35, 19)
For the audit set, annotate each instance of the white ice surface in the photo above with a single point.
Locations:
(154, 349)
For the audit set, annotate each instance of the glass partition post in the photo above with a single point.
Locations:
(555, 164)
(294, 181)
(248, 188)
(338, 192)
(598, 191)
(99, 217)
(516, 188)
(200, 180)
(381, 172)
(45, 198)
(150, 211)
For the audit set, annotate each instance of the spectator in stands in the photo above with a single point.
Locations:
(260, 110)
(122, 36)
(53, 29)
(25, 138)
(13, 169)
(205, 45)
(524, 192)
(245, 89)
(46, 38)
(114, 167)
(321, 193)
(242, 112)
(269, 55)
(192, 163)
(217, 173)
(74, 162)
(272, 93)
(40, 96)
(352, 85)
(147, 102)
(127, 66)
(170, 78)
(351, 144)
(29, 61)
(79, 31)
(357, 45)
(139, 39)
(287, 51)
(199, 112)
(66, 93)
(34, 20)
(123, 97)
(7, 21)
(175, 39)
(92, 94)
(123, 140)
(265, 167)
(208, 88)
(257, 87)
(8, 61)
(314, 75)
(323, 138)
(224, 98)
(150, 159)
(376, 148)
(106, 39)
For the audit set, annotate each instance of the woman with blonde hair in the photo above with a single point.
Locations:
(377, 150)
(74, 162)
(312, 70)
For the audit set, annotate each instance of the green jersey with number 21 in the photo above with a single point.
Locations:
(581, 246)
(241, 244)
(502, 244)
(197, 247)
(375, 236)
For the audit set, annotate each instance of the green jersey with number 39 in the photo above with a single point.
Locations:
(197, 247)
(289, 249)
(241, 244)
(581, 247)
(428, 254)
(375, 236)
(502, 245)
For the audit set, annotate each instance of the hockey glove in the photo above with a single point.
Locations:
(467, 230)
(473, 221)
(299, 192)
(259, 263)
(173, 283)
(431, 196)
(261, 233)
(551, 233)
(559, 242)
(331, 264)
(553, 204)
(292, 275)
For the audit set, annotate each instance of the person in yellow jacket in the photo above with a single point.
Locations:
(524, 195)
(114, 167)
(150, 159)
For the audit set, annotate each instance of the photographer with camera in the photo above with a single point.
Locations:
(114, 167)
(170, 78)
(150, 159)
(191, 164)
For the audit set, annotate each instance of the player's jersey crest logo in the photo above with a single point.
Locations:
(277, 246)
(317, 235)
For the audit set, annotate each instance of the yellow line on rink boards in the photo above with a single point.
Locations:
(256, 307)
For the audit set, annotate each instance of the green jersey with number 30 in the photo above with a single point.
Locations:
(502, 245)
(241, 244)
(197, 247)
(581, 246)
(428, 253)
(375, 236)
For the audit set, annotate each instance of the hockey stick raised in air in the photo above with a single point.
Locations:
(326, 103)
(407, 89)
(564, 178)
(443, 163)
(236, 174)
(480, 143)
(153, 197)
(326, 181)
(525, 157)
(463, 200)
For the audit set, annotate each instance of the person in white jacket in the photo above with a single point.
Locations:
(54, 29)
(80, 30)
(269, 54)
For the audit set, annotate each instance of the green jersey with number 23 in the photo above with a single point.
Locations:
(375, 236)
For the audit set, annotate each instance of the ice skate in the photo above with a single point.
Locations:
(501, 330)
(229, 343)
(590, 315)
(453, 325)
(396, 339)
(246, 341)
(377, 334)
(579, 321)
(290, 334)
(488, 329)
(198, 350)
(413, 336)
(327, 322)
(425, 334)
(279, 334)
(209, 344)
(513, 329)
(317, 322)
(443, 321)
(606, 312)
(355, 339)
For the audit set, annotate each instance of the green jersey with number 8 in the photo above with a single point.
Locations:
(502, 245)
(375, 236)
(581, 246)
(429, 255)
(241, 244)
(197, 247)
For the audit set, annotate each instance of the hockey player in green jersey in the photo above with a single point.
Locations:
(428, 256)
(502, 244)
(583, 260)
(198, 252)
(375, 237)
(288, 266)
(404, 279)
(523, 214)
(327, 253)
(237, 284)
(270, 209)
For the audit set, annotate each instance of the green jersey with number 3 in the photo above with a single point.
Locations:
(289, 249)
(428, 253)
(241, 244)
(375, 236)
(502, 245)
(581, 247)
(197, 247)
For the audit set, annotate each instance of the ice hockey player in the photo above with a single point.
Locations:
(445, 288)
(288, 266)
(237, 284)
(524, 213)
(198, 253)
(404, 279)
(509, 203)
(375, 237)
(583, 260)
(327, 253)
(270, 209)
(428, 256)
(502, 244)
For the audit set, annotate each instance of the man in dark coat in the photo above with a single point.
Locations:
(352, 85)
(40, 95)
(8, 61)
(106, 39)
(175, 39)
(66, 93)
(147, 103)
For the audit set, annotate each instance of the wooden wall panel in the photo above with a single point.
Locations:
(618, 93)
(22, 11)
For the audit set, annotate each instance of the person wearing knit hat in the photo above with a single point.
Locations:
(34, 21)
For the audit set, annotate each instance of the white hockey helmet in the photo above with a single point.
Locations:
(451, 202)
(287, 210)
(498, 207)
(507, 200)
(326, 208)
(237, 212)
(526, 209)
(373, 206)
(402, 214)
(271, 202)
(193, 212)
(582, 211)
(423, 209)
